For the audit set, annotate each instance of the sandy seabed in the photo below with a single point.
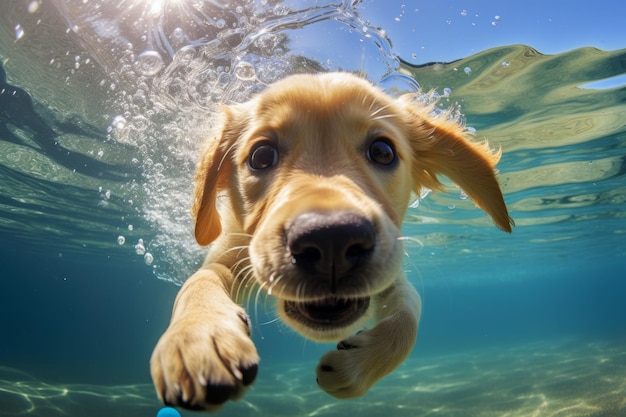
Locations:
(543, 379)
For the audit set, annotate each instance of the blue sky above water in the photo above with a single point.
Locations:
(447, 30)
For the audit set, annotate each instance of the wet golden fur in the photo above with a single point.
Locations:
(321, 127)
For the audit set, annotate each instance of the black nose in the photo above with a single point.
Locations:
(330, 244)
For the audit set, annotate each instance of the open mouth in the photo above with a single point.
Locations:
(331, 311)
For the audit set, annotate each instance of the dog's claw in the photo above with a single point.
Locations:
(343, 345)
(218, 394)
(249, 374)
(187, 405)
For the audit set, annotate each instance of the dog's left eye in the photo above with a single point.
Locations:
(382, 152)
(263, 156)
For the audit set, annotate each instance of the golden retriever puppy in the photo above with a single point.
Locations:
(313, 177)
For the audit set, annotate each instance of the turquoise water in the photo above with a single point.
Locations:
(98, 143)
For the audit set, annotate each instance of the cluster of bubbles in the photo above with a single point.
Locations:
(494, 22)
(105, 196)
(140, 248)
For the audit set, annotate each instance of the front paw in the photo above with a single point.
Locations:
(363, 359)
(348, 372)
(201, 362)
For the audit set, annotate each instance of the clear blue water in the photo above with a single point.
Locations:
(98, 143)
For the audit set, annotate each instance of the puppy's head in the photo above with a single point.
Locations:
(319, 169)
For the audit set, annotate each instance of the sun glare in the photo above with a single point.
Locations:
(156, 6)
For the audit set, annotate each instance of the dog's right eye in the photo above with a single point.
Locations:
(263, 156)
(382, 152)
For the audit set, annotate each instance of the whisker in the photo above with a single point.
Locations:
(235, 248)
(301, 290)
(259, 291)
(256, 300)
(252, 284)
(269, 322)
(237, 264)
(240, 234)
(247, 284)
(412, 240)
(273, 282)
(419, 281)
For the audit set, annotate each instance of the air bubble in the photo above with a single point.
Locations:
(140, 123)
(245, 71)
(220, 23)
(130, 227)
(121, 240)
(148, 258)
(19, 32)
(506, 64)
(33, 6)
(149, 63)
(140, 249)
(447, 91)
(467, 70)
(119, 122)
(178, 33)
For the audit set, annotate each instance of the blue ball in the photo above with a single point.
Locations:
(168, 412)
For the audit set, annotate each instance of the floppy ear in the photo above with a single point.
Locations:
(211, 177)
(442, 146)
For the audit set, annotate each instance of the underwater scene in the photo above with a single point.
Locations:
(105, 107)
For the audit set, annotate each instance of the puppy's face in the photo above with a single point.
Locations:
(319, 171)
(325, 179)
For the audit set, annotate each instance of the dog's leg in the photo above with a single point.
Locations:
(206, 356)
(364, 358)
